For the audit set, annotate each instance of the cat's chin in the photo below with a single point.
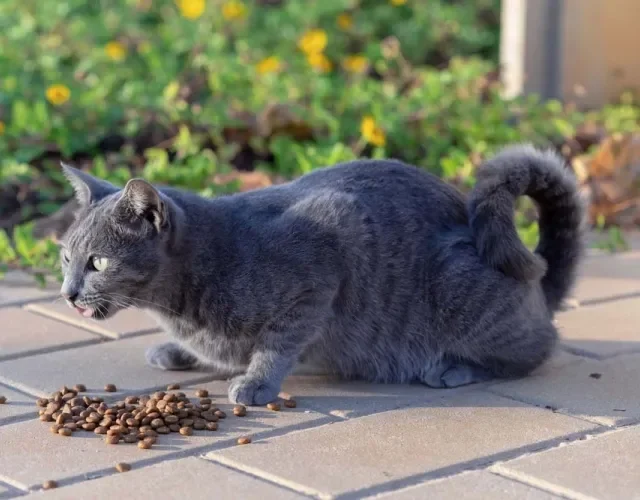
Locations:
(98, 312)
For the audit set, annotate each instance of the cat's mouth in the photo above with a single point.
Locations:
(97, 311)
(86, 312)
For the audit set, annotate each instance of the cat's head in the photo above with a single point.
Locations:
(117, 246)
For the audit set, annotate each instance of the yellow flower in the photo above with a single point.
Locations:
(115, 51)
(344, 21)
(371, 132)
(191, 9)
(355, 64)
(319, 61)
(269, 65)
(234, 10)
(398, 2)
(58, 94)
(313, 42)
(2, 128)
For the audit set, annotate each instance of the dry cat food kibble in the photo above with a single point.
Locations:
(144, 444)
(3, 400)
(173, 387)
(110, 388)
(123, 467)
(49, 485)
(114, 439)
(290, 403)
(137, 419)
(80, 388)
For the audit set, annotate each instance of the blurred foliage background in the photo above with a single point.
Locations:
(218, 96)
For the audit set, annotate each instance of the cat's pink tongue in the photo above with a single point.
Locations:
(87, 313)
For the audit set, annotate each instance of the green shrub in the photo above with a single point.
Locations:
(182, 91)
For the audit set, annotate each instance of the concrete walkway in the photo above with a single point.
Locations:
(570, 431)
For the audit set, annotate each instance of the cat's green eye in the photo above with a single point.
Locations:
(99, 263)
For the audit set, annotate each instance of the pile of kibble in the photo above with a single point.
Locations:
(137, 419)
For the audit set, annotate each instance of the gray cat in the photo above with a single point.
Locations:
(371, 269)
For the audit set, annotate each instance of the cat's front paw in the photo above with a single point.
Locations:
(250, 391)
(170, 356)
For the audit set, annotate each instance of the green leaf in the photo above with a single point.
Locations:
(7, 252)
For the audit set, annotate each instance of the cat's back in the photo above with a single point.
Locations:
(386, 187)
(352, 198)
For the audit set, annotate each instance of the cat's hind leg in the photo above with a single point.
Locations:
(501, 354)
(447, 374)
(170, 356)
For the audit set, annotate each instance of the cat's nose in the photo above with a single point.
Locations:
(70, 296)
(70, 290)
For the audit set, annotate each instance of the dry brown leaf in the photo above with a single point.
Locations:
(279, 119)
(612, 178)
(248, 180)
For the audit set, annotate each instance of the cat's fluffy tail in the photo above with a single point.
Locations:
(541, 175)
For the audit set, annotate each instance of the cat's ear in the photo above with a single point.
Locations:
(144, 201)
(87, 188)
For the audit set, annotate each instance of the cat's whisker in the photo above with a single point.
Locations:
(115, 302)
(142, 301)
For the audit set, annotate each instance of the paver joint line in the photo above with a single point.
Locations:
(90, 327)
(538, 483)
(52, 349)
(16, 485)
(613, 298)
(560, 411)
(266, 476)
(394, 485)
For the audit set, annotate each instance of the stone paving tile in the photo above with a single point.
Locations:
(351, 399)
(593, 290)
(37, 455)
(602, 330)
(335, 397)
(123, 324)
(558, 360)
(604, 467)
(624, 265)
(18, 406)
(605, 277)
(119, 362)
(18, 288)
(394, 447)
(611, 398)
(478, 485)
(28, 333)
(191, 478)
